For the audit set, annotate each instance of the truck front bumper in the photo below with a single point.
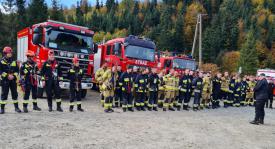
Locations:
(66, 85)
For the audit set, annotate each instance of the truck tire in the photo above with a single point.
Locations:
(83, 93)
(40, 92)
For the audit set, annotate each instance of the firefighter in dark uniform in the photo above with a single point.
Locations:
(9, 73)
(185, 86)
(141, 90)
(75, 75)
(118, 98)
(270, 93)
(237, 92)
(51, 75)
(153, 85)
(28, 73)
(216, 90)
(126, 83)
(244, 87)
(135, 73)
(198, 86)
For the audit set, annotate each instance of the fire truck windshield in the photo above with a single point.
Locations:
(184, 64)
(138, 52)
(69, 42)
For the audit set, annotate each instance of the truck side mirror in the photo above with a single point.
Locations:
(37, 38)
(95, 48)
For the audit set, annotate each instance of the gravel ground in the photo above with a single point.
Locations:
(207, 129)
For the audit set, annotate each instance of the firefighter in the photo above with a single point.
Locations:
(237, 92)
(153, 83)
(126, 83)
(169, 86)
(9, 73)
(75, 75)
(28, 73)
(176, 90)
(225, 89)
(98, 77)
(108, 88)
(244, 87)
(161, 89)
(198, 86)
(135, 73)
(206, 92)
(216, 90)
(141, 90)
(147, 72)
(51, 76)
(185, 85)
(118, 98)
(231, 90)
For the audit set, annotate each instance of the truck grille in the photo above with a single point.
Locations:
(66, 63)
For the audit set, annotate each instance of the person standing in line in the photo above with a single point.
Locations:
(261, 96)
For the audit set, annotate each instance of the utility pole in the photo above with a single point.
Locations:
(198, 25)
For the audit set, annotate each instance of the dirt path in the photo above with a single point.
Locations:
(208, 129)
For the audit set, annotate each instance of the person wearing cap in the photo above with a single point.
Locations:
(185, 85)
(75, 75)
(108, 87)
(261, 96)
(198, 86)
(51, 75)
(141, 90)
(98, 77)
(206, 91)
(169, 87)
(153, 85)
(126, 83)
(216, 90)
(118, 96)
(9, 73)
(28, 73)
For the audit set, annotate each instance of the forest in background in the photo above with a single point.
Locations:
(235, 32)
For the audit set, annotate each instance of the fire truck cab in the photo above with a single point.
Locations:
(132, 50)
(67, 41)
(178, 63)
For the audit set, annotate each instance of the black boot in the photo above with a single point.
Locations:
(16, 108)
(155, 108)
(35, 107)
(178, 108)
(261, 121)
(79, 108)
(50, 109)
(2, 109)
(71, 108)
(171, 109)
(131, 109)
(124, 109)
(149, 109)
(164, 109)
(255, 122)
(58, 107)
(185, 108)
(25, 108)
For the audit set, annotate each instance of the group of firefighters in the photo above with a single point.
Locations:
(27, 76)
(150, 88)
(140, 88)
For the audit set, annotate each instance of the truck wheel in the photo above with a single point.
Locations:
(83, 93)
(40, 92)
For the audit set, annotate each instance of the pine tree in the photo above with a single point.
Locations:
(79, 15)
(56, 12)
(37, 12)
(21, 14)
(248, 58)
(97, 4)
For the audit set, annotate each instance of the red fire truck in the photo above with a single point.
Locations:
(67, 41)
(131, 50)
(179, 63)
